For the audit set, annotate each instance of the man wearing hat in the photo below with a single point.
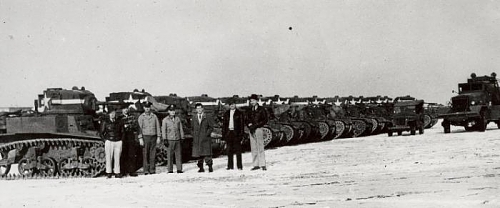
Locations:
(257, 118)
(130, 143)
(149, 137)
(233, 131)
(172, 134)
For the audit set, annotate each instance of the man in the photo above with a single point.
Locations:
(202, 142)
(112, 133)
(149, 137)
(173, 133)
(130, 143)
(233, 131)
(257, 118)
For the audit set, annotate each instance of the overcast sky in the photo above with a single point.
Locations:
(221, 48)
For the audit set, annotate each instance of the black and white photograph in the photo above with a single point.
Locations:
(340, 103)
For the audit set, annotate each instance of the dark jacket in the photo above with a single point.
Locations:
(130, 127)
(202, 142)
(257, 117)
(239, 123)
(112, 131)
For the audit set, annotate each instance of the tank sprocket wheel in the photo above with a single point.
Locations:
(324, 129)
(4, 169)
(268, 135)
(339, 129)
(100, 154)
(289, 132)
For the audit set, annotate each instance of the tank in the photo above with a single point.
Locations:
(59, 138)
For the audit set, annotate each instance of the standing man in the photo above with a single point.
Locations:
(112, 133)
(257, 118)
(173, 133)
(233, 131)
(130, 143)
(149, 137)
(202, 142)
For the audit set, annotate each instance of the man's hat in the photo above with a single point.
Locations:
(254, 96)
(171, 107)
(147, 104)
(231, 101)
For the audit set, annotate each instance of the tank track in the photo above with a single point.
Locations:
(52, 158)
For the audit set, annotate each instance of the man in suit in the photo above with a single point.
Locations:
(233, 131)
(130, 143)
(202, 125)
(256, 119)
(173, 133)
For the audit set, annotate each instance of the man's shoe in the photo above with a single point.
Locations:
(229, 168)
(255, 168)
(180, 171)
(264, 168)
(109, 175)
(201, 170)
(118, 175)
(240, 168)
(146, 173)
(171, 171)
(152, 173)
(132, 174)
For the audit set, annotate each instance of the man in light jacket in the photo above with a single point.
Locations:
(149, 137)
(173, 134)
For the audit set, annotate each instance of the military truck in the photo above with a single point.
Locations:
(408, 116)
(477, 104)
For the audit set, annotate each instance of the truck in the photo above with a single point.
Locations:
(408, 116)
(477, 104)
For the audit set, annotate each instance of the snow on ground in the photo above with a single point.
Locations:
(461, 169)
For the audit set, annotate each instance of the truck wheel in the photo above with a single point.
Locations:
(412, 130)
(389, 133)
(446, 126)
(482, 123)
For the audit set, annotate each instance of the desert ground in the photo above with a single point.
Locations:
(460, 169)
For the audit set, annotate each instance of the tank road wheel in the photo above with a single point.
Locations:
(88, 167)
(48, 167)
(4, 169)
(67, 167)
(24, 168)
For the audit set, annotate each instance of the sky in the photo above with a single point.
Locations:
(224, 47)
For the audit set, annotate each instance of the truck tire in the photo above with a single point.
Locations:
(446, 126)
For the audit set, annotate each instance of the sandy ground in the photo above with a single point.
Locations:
(461, 169)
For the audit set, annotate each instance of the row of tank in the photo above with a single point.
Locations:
(60, 136)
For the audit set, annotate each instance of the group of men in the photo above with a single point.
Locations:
(124, 134)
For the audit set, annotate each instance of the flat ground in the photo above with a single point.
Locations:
(461, 169)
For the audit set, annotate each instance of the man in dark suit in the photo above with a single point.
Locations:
(202, 125)
(256, 119)
(232, 131)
